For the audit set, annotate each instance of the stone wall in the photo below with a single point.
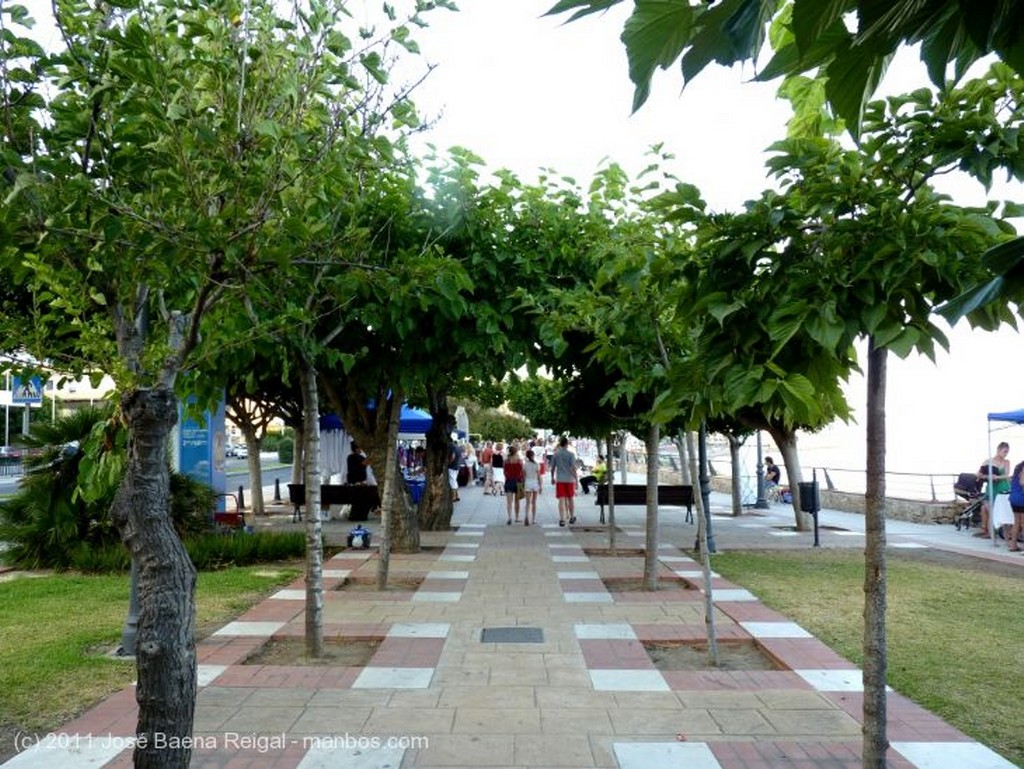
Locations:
(913, 511)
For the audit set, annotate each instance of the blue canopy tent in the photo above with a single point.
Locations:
(1008, 418)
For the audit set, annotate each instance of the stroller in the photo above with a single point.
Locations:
(968, 487)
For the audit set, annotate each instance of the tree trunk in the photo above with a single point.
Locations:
(298, 454)
(389, 516)
(436, 506)
(698, 499)
(651, 553)
(734, 456)
(876, 742)
(684, 464)
(165, 654)
(612, 545)
(705, 556)
(252, 445)
(786, 443)
(314, 527)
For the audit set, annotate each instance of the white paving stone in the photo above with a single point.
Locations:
(833, 680)
(78, 751)
(733, 594)
(240, 627)
(460, 558)
(628, 681)
(205, 674)
(338, 573)
(694, 574)
(290, 594)
(394, 678)
(558, 533)
(665, 755)
(605, 631)
(570, 558)
(775, 630)
(447, 575)
(597, 597)
(907, 546)
(330, 751)
(946, 755)
(351, 555)
(419, 630)
(473, 545)
(474, 533)
(578, 575)
(436, 596)
(783, 533)
(675, 559)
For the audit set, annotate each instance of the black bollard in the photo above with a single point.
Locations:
(277, 489)
(241, 498)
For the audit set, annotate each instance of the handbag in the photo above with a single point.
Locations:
(520, 489)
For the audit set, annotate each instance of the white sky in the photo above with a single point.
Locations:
(527, 92)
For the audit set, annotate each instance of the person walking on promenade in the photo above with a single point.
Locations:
(997, 472)
(1017, 505)
(532, 474)
(513, 482)
(485, 462)
(498, 469)
(563, 475)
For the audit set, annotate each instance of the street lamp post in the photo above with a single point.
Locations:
(761, 503)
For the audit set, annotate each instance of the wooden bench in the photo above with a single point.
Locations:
(636, 494)
(363, 498)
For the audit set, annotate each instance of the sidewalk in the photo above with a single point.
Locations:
(512, 651)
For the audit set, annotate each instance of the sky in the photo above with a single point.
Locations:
(528, 92)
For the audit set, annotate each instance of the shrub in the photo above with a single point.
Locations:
(286, 452)
(209, 551)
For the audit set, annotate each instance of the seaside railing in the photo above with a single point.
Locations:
(923, 487)
(918, 487)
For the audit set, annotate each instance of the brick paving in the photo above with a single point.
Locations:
(575, 688)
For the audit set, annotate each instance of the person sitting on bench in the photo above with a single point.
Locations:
(596, 475)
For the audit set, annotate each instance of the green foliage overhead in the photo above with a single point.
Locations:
(813, 35)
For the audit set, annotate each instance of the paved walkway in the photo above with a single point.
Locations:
(514, 646)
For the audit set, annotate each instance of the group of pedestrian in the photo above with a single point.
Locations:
(1007, 493)
(517, 471)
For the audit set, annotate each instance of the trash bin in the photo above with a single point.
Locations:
(810, 499)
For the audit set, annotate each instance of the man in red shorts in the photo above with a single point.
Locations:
(563, 475)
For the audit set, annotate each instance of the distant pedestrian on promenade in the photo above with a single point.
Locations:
(513, 482)
(485, 460)
(1017, 505)
(498, 469)
(996, 471)
(563, 475)
(531, 482)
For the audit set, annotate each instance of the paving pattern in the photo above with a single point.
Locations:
(528, 647)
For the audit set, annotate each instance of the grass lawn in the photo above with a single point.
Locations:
(57, 630)
(955, 627)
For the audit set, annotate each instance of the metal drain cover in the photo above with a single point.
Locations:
(512, 635)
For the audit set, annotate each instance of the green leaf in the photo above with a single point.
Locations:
(812, 17)
(654, 35)
(586, 7)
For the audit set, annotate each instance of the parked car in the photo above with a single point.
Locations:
(241, 452)
(10, 452)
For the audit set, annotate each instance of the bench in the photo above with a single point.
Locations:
(361, 497)
(636, 494)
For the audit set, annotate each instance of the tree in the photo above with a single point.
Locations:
(869, 250)
(166, 160)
